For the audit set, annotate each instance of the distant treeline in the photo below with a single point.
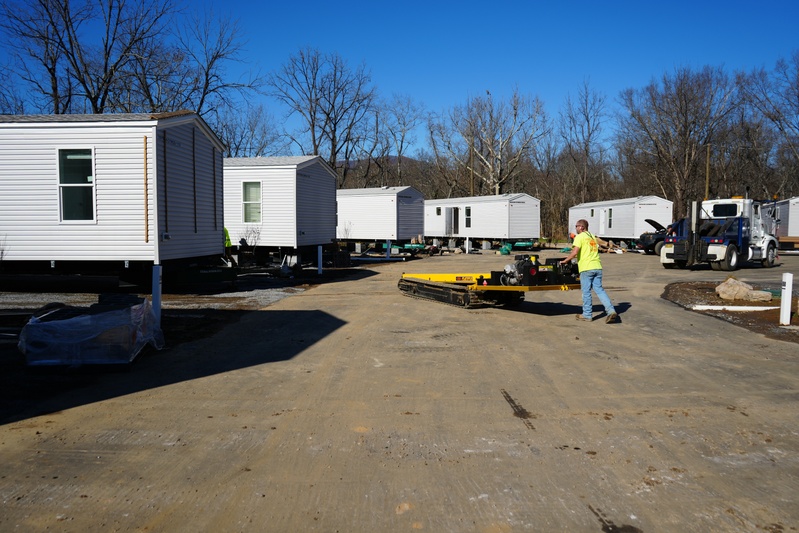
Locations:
(691, 133)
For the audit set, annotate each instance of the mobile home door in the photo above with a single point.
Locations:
(451, 219)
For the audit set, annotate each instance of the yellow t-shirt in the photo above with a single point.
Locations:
(588, 256)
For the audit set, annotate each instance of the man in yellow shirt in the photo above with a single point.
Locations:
(586, 250)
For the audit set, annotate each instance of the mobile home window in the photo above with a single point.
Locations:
(251, 206)
(610, 218)
(468, 217)
(76, 183)
(438, 211)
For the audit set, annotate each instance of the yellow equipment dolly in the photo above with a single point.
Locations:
(497, 288)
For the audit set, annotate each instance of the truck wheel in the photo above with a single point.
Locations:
(715, 265)
(771, 256)
(730, 261)
(658, 248)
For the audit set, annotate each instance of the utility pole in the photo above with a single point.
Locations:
(471, 168)
(707, 173)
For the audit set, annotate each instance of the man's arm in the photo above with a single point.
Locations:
(572, 255)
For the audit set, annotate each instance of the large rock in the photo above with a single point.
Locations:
(732, 289)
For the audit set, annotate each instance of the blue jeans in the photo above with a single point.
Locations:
(592, 279)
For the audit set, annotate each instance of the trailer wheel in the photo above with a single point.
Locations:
(771, 256)
(730, 261)
(715, 265)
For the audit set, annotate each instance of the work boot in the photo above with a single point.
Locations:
(613, 317)
(581, 318)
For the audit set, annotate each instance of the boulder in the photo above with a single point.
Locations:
(732, 289)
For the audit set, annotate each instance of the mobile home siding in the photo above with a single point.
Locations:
(190, 210)
(498, 217)
(29, 194)
(524, 220)
(369, 217)
(380, 213)
(316, 208)
(623, 218)
(410, 214)
(297, 201)
(788, 228)
(280, 208)
(127, 158)
(277, 226)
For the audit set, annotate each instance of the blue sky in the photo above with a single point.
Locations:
(443, 52)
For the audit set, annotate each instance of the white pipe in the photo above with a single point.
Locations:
(785, 304)
(732, 308)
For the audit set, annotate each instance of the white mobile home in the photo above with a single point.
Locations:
(624, 218)
(788, 225)
(128, 190)
(280, 202)
(380, 214)
(500, 217)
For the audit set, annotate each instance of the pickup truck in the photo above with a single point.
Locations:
(651, 242)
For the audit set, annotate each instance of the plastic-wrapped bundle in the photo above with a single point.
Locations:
(90, 336)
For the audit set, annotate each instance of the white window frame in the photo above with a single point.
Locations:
(62, 186)
(244, 202)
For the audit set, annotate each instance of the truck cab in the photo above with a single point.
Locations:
(723, 233)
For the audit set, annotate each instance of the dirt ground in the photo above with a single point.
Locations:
(180, 329)
(338, 404)
(223, 304)
(767, 322)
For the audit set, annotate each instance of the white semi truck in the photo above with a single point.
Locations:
(723, 233)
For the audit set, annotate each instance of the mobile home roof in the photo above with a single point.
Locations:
(508, 197)
(115, 118)
(374, 191)
(622, 201)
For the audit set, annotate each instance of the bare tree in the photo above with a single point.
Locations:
(332, 101)
(402, 116)
(158, 78)
(298, 86)
(95, 67)
(490, 138)
(547, 184)
(743, 155)
(448, 175)
(775, 95)
(31, 33)
(11, 102)
(73, 53)
(211, 44)
(248, 133)
(672, 123)
(581, 123)
(187, 72)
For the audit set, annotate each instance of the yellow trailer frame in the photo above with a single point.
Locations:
(469, 290)
(479, 282)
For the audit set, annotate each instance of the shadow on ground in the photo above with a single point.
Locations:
(199, 341)
(243, 339)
